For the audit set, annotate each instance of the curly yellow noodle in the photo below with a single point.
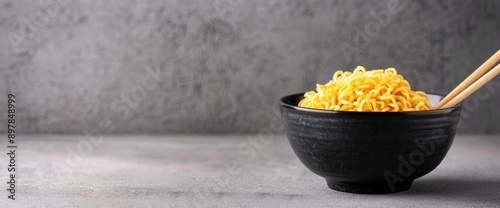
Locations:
(362, 90)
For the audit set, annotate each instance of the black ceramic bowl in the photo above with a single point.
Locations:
(369, 152)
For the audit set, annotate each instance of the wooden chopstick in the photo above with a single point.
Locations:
(469, 80)
(472, 88)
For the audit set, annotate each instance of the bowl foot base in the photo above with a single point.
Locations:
(368, 188)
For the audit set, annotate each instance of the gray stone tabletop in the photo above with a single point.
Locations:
(224, 171)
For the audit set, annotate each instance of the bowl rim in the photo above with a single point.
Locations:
(337, 112)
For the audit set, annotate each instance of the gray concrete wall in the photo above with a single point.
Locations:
(78, 65)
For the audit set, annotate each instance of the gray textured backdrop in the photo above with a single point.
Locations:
(83, 66)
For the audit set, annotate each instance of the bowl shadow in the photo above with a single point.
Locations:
(465, 190)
